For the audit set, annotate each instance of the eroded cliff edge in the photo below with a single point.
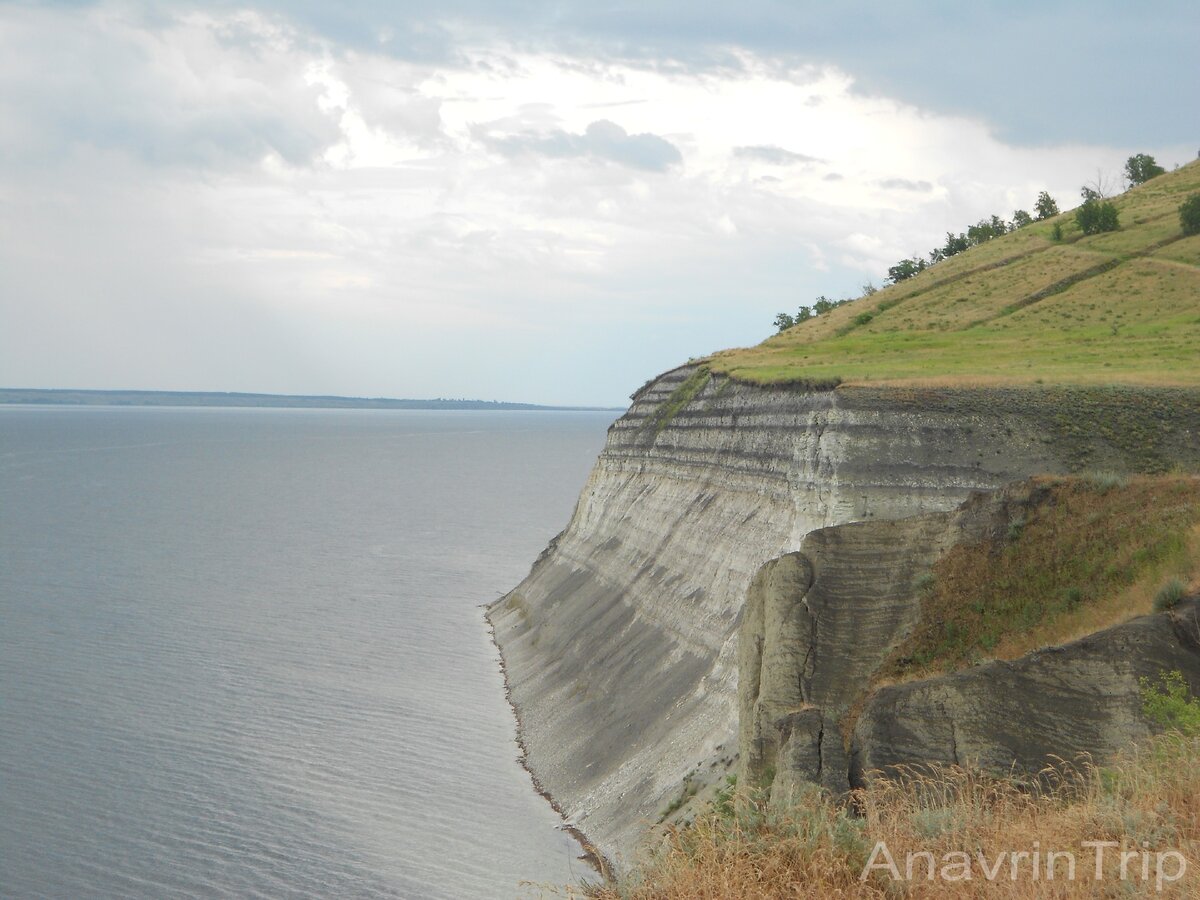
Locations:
(621, 644)
(824, 626)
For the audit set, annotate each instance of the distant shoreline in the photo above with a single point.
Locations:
(68, 397)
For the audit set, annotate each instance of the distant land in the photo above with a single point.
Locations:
(39, 396)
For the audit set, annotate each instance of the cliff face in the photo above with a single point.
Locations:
(820, 623)
(620, 646)
(1081, 697)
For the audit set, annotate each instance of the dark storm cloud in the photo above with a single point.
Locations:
(601, 140)
(776, 156)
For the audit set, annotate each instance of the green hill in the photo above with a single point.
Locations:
(1115, 308)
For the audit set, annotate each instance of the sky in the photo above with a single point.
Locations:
(502, 199)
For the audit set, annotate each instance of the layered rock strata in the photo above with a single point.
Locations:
(621, 644)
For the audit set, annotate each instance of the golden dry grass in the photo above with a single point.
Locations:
(1147, 800)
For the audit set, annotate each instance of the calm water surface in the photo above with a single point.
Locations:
(241, 652)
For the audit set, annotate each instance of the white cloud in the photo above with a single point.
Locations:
(218, 170)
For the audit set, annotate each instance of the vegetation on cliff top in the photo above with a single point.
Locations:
(1113, 307)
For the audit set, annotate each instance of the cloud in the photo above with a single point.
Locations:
(292, 200)
(601, 139)
(906, 184)
(192, 91)
(1019, 65)
(776, 156)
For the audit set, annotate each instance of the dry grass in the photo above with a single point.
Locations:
(1093, 552)
(1146, 800)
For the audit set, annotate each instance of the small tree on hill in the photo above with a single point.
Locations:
(1140, 168)
(783, 322)
(1189, 214)
(955, 243)
(1020, 219)
(1096, 216)
(905, 269)
(1045, 207)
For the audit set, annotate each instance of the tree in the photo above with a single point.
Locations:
(1096, 216)
(783, 322)
(1141, 167)
(1045, 207)
(955, 244)
(1189, 214)
(1021, 219)
(905, 269)
(803, 314)
(986, 229)
(1099, 188)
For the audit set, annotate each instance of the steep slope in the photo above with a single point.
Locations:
(1019, 357)
(1121, 307)
(620, 646)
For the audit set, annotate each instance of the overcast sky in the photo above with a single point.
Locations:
(497, 199)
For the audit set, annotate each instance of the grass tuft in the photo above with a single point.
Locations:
(1169, 595)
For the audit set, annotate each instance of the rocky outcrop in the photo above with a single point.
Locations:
(621, 644)
(1082, 697)
(820, 623)
(810, 646)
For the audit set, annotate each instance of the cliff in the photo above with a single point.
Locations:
(826, 628)
(621, 645)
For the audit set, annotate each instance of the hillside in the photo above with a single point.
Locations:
(841, 479)
(1121, 307)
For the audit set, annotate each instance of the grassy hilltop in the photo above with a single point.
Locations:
(1116, 308)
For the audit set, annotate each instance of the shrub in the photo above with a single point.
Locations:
(1097, 216)
(863, 318)
(1170, 703)
(1106, 481)
(1056, 232)
(1169, 595)
(1189, 214)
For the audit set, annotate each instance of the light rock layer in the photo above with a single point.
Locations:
(621, 644)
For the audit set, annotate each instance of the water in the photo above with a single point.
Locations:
(241, 651)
